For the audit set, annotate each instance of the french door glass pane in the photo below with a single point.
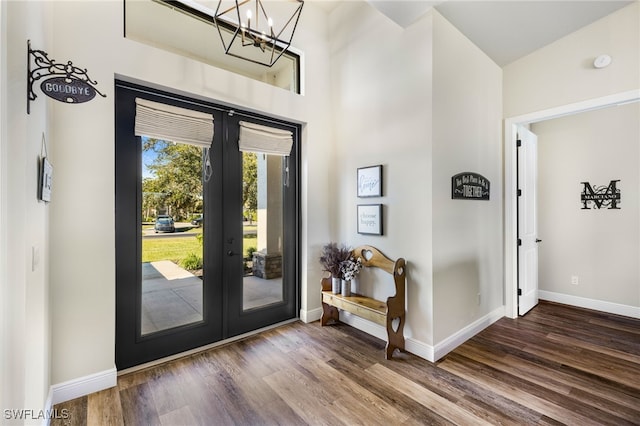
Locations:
(172, 235)
(262, 229)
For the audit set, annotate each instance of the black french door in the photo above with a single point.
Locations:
(243, 226)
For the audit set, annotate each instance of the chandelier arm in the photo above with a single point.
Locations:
(296, 14)
(258, 3)
(236, 7)
(264, 12)
(273, 51)
(226, 11)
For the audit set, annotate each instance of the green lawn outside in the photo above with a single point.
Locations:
(176, 248)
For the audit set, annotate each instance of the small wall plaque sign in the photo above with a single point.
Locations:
(45, 174)
(45, 185)
(470, 186)
(68, 90)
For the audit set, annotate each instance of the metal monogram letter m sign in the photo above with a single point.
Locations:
(600, 196)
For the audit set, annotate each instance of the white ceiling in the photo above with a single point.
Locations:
(509, 30)
(505, 30)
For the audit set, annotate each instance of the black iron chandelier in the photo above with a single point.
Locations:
(248, 32)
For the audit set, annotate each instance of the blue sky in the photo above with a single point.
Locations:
(147, 158)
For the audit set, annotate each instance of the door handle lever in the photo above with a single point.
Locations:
(538, 241)
(231, 253)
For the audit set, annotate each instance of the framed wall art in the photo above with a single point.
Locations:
(370, 181)
(370, 219)
(46, 173)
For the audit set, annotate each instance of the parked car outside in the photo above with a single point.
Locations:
(164, 224)
(197, 221)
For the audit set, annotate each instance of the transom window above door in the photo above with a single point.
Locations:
(181, 29)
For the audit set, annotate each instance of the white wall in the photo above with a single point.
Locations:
(366, 102)
(73, 304)
(82, 214)
(5, 329)
(560, 75)
(317, 151)
(562, 72)
(600, 247)
(24, 220)
(425, 112)
(467, 235)
(381, 104)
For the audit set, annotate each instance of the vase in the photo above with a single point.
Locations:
(335, 285)
(346, 288)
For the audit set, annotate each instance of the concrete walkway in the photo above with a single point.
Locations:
(172, 296)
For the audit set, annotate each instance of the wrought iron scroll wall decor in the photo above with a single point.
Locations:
(63, 82)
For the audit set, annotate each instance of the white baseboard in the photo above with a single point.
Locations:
(48, 407)
(413, 346)
(419, 348)
(367, 326)
(597, 305)
(310, 316)
(450, 343)
(82, 386)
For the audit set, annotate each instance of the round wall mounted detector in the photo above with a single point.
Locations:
(602, 61)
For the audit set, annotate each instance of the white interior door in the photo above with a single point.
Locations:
(527, 221)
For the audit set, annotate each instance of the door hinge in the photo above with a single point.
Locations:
(518, 143)
(519, 192)
(519, 292)
(519, 242)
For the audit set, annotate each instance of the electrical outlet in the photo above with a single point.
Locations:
(575, 280)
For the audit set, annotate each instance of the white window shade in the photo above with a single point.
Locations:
(263, 139)
(174, 124)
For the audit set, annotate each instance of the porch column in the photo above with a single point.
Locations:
(267, 260)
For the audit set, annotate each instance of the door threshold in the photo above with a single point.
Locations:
(203, 348)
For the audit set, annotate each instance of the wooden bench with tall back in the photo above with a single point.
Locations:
(371, 309)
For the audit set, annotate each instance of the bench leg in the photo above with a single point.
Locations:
(329, 313)
(395, 338)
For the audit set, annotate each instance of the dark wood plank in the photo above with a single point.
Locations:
(556, 365)
(138, 405)
(71, 413)
(105, 407)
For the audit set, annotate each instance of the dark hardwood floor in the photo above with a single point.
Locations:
(556, 365)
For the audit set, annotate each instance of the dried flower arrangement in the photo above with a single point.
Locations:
(332, 257)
